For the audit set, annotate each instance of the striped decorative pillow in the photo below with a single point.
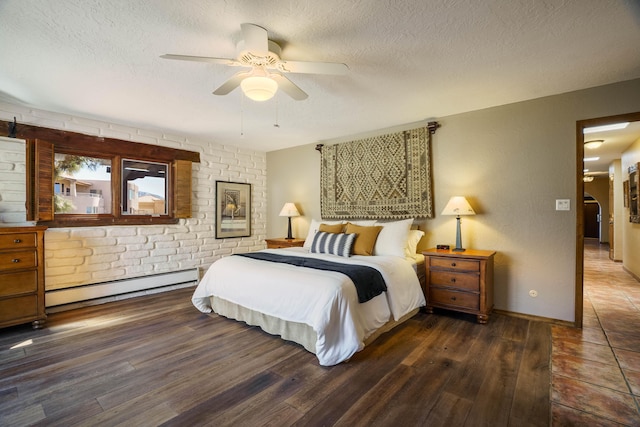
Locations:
(333, 243)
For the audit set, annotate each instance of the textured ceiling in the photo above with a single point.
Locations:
(409, 60)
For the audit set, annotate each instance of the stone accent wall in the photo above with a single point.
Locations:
(87, 255)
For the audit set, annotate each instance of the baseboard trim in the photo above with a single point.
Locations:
(536, 318)
(111, 289)
(631, 273)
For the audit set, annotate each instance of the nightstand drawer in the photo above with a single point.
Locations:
(17, 241)
(278, 246)
(23, 282)
(284, 243)
(18, 260)
(443, 297)
(455, 264)
(450, 279)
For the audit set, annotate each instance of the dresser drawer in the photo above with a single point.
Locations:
(22, 282)
(18, 260)
(445, 297)
(452, 279)
(455, 264)
(14, 309)
(17, 241)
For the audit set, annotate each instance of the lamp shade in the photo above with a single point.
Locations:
(289, 209)
(458, 205)
(259, 88)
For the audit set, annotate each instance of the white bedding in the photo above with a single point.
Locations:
(325, 300)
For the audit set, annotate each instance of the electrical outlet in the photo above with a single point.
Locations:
(533, 293)
(563, 204)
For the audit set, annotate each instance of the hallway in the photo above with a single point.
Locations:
(595, 376)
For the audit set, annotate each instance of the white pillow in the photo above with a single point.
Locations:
(393, 237)
(313, 229)
(412, 242)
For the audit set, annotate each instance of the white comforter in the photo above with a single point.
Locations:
(325, 300)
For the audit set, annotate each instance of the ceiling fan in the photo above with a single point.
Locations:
(266, 68)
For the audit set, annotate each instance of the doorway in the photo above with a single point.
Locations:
(592, 220)
(581, 211)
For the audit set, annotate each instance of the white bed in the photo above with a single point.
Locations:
(317, 309)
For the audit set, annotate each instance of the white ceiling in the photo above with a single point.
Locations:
(409, 60)
(615, 143)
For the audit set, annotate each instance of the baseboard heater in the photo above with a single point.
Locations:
(115, 288)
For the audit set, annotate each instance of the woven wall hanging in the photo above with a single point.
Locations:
(382, 177)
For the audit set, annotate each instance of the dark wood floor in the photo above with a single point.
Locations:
(155, 360)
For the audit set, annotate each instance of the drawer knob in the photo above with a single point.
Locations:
(453, 298)
(453, 280)
(453, 264)
(15, 260)
(17, 241)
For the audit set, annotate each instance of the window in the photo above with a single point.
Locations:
(144, 185)
(80, 180)
(85, 185)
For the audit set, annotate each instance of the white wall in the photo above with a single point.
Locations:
(512, 162)
(620, 213)
(88, 255)
(631, 240)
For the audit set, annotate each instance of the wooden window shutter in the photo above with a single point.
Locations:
(182, 189)
(40, 181)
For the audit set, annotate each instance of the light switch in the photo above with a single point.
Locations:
(563, 205)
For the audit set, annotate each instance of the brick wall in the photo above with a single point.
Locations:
(87, 255)
(12, 182)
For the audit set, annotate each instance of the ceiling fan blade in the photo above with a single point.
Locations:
(288, 87)
(255, 38)
(231, 84)
(224, 61)
(312, 67)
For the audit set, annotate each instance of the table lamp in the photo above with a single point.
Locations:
(457, 206)
(289, 210)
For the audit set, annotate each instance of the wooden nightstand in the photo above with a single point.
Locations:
(284, 243)
(461, 281)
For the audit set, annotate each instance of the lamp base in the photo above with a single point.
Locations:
(458, 247)
(289, 236)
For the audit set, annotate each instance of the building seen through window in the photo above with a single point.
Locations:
(82, 185)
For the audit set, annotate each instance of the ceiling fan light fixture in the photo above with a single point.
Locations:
(593, 144)
(259, 88)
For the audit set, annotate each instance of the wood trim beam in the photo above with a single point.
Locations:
(70, 141)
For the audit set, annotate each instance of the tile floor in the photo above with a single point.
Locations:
(595, 371)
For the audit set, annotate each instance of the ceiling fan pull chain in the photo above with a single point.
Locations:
(276, 125)
(242, 114)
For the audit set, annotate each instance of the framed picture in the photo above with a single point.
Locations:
(233, 209)
(625, 191)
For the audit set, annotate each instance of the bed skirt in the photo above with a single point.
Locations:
(300, 333)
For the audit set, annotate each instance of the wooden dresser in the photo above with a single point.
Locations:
(22, 276)
(461, 281)
(284, 243)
